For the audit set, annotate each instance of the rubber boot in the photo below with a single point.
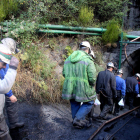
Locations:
(77, 123)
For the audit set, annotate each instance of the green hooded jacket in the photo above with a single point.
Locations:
(80, 76)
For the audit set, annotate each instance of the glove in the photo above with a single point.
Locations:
(14, 63)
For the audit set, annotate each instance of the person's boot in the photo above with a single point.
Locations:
(17, 125)
(89, 124)
(77, 123)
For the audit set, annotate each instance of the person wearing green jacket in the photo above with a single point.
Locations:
(80, 77)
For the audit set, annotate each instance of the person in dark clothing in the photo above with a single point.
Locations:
(106, 87)
(120, 87)
(132, 89)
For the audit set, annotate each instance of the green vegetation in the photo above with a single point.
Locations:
(112, 33)
(37, 78)
(68, 52)
(7, 8)
(86, 15)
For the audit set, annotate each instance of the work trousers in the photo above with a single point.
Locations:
(4, 131)
(12, 111)
(130, 99)
(106, 104)
(80, 111)
(117, 107)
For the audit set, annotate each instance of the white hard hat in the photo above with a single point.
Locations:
(85, 44)
(5, 54)
(137, 75)
(92, 54)
(9, 42)
(110, 64)
(120, 71)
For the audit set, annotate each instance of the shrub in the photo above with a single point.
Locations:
(107, 9)
(112, 33)
(7, 7)
(21, 30)
(86, 15)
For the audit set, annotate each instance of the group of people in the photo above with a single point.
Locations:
(8, 66)
(81, 86)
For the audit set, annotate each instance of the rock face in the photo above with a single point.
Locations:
(132, 18)
(131, 66)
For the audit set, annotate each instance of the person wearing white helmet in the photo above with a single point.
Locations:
(80, 76)
(9, 42)
(132, 89)
(5, 86)
(106, 87)
(120, 87)
(11, 107)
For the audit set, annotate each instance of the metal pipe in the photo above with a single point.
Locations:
(132, 36)
(95, 133)
(50, 26)
(128, 42)
(120, 50)
(119, 129)
(66, 32)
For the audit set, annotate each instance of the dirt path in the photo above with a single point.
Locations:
(52, 122)
(48, 123)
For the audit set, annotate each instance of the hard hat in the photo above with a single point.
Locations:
(85, 44)
(110, 64)
(137, 75)
(9, 42)
(92, 54)
(5, 54)
(120, 71)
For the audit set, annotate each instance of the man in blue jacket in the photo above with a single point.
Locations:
(11, 107)
(120, 87)
(132, 88)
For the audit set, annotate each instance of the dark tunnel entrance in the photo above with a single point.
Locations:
(132, 66)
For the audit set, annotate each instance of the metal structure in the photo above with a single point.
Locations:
(61, 29)
(111, 120)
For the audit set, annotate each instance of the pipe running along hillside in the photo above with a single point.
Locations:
(61, 29)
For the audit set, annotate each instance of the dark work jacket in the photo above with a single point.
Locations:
(131, 83)
(106, 82)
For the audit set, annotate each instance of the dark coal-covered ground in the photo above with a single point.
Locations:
(53, 122)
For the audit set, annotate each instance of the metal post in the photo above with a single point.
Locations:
(120, 50)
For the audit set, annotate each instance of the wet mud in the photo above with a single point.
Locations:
(54, 122)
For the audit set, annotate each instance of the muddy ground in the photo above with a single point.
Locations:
(53, 122)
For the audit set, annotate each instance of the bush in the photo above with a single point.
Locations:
(86, 15)
(7, 7)
(20, 30)
(112, 33)
(107, 9)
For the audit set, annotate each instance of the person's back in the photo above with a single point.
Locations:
(106, 87)
(132, 89)
(105, 82)
(80, 76)
(131, 82)
(79, 72)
